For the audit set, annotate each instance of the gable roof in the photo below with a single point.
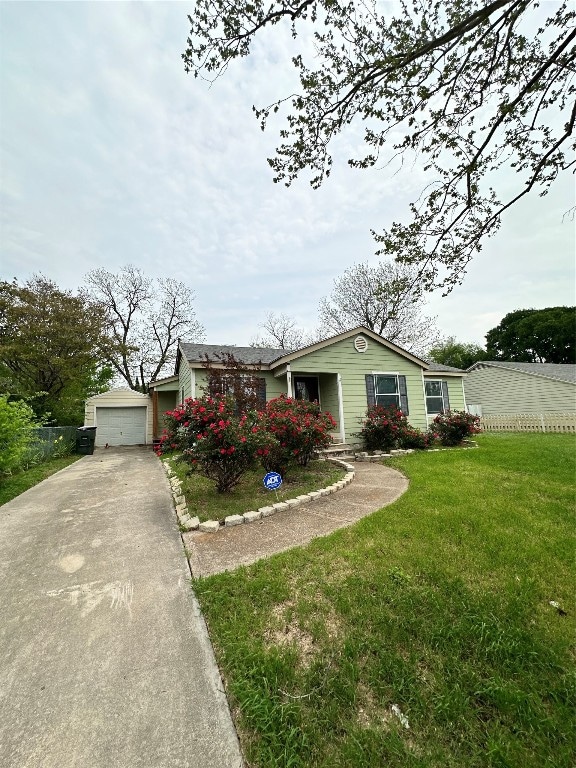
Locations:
(288, 357)
(196, 353)
(274, 356)
(557, 371)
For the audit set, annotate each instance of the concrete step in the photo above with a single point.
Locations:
(337, 450)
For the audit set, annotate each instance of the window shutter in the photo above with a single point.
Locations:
(261, 392)
(445, 397)
(370, 396)
(403, 395)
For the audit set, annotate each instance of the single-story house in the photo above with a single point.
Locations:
(344, 373)
(496, 388)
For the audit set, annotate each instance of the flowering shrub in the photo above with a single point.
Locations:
(223, 444)
(453, 426)
(227, 448)
(214, 439)
(298, 428)
(412, 437)
(384, 428)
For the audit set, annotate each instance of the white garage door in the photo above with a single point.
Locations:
(120, 426)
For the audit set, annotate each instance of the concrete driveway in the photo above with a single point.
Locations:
(104, 659)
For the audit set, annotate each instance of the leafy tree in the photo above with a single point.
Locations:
(535, 336)
(463, 88)
(144, 320)
(385, 299)
(456, 353)
(50, 342)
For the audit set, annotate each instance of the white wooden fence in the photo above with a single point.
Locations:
(530, 422)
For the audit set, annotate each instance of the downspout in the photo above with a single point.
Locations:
(289, 380)
(341, 408)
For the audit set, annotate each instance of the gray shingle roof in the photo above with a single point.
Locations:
(439, 367)
(196, 353)
(558, 371)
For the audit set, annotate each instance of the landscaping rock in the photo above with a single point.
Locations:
(233, 520)
(278, 507)
(292, 503)
(191, 524)
(209, 526)
(252, 516)
(266, 511)
(179, 500)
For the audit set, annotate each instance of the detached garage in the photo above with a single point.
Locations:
(121, 417)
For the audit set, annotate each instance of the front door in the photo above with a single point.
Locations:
(306, 388)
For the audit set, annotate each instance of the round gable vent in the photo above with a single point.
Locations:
(360, 344)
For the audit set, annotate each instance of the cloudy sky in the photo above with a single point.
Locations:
(112, 155)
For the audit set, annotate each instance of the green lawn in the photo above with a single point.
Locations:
(203, 500)
(13, 486)
(438, 605)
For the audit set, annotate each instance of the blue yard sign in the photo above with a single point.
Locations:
(272, 481)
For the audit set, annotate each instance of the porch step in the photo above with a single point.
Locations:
(338, 450)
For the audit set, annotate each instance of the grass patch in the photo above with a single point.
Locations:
(203, 500)
(13, 486)
(436, 607)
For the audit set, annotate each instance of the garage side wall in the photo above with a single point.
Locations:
(121, 398)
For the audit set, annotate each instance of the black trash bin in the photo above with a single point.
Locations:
(85, 439)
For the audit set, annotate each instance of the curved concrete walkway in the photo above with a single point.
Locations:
(104, 656)
(374, 486)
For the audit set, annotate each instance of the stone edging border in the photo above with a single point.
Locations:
(212, 526)
(378, 456)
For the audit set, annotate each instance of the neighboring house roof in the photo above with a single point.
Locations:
(557, 371)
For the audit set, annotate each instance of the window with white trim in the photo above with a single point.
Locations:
(386, 390)
(434, 396)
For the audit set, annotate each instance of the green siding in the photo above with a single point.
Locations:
(341, 357)
(455, 393)
(184, 381)
(167, 401)
(201, 380)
